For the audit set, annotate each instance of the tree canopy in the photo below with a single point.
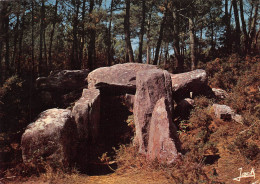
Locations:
(39, 36)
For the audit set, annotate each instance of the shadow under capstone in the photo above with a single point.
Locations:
(113, 131)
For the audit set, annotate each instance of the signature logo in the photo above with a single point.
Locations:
(250, 174)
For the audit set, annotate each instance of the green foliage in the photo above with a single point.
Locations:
(183, 127)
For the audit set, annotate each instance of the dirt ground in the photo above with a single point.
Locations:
(127, 178)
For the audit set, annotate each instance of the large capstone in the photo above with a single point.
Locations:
(117, 79)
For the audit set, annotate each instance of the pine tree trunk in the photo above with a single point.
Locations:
(166, 50)
(45, 51)
(253, 27)
(250, 17)
(192, 44)
(82, 41)
(44, 41)
(52, 33)
(212, 34)
(32, 36)
(228, 43)
(109, 57)
(74, 56)
(140, 56)
(160, 55)
(18, 69)
(176, 43)
(41, 65)
(127, 32)
(243, 26)
(159, 42)
(2, 15)
(238, 32)
(148, 49)
(92, 46)
(1, 68)
(6, 36)
(1, 47)
(16, 34)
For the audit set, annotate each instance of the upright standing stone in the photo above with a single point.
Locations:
(86, 113)
(151, 85)
(161, 144)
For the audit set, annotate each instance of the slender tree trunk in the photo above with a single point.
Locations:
(32, 38)
(243, 26)
(92, 46)
(166, 54)
(20, 44)
(52, 33)
(126, 54)
(192, 44)
(250, 17)
(238, 32)
(256, 39)
(160, 56)
(1, 43)
(1, 68)
(228, 43)
(42, 65)
(5, 37)
(200, 40)
(148, 49)
(159, 42)
(16, 34)
(141, 36)
(253, 26)
(212, 33)
(127, 32)
(45, 52)
(74, 56)
(82, 41)
(176, 43)
(109, 57)
(153, 52)
(7, 44)
(3, 14)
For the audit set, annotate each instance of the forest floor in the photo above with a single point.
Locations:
(140, 177)
(133, 178)
(127, 178)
